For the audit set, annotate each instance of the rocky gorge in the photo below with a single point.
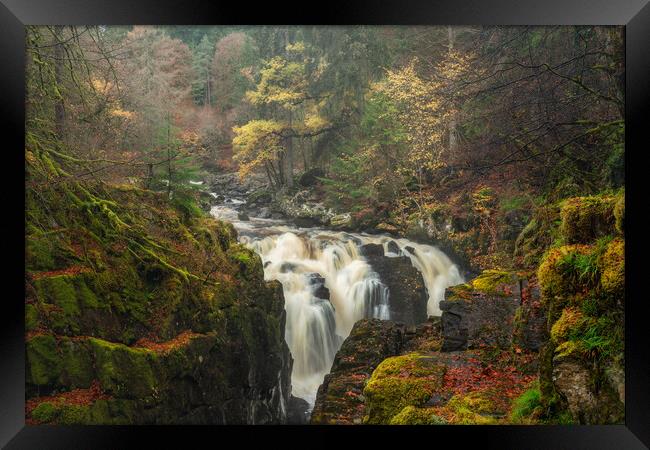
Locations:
(362, 328)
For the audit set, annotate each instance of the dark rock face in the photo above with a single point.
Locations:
(508, 313)
(369, 343)
(572, 379)
(340, 398)
(408, 294)
(297, 411)
(481, 321)
(318, 282)
(372, 250)
(393, 247)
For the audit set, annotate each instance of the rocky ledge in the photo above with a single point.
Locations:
(128, 322)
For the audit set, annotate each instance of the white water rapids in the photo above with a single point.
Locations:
(306, 259)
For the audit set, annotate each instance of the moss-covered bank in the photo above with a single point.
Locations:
(154, 308)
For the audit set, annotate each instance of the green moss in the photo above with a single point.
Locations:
(59, 291)
(471, 409)
(612, 267)
(96, 413)
(527, 406)
(495, 282)
(43, 360)
(411, 415)
(31, 317)
(570, 348)
(571, 322)
(459, 292)
(584, 219)
(619, 213)
(398, 382)
(538, 234)
(556, 275)
(77, 367)
(87, 298)
(46, 412)
(39, 253)
(595, 339)
(248, 262)
(126, 372)
(490, 282)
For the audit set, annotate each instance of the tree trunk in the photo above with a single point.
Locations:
(289, 158)
(452, 121)
(59, 110)
(169, 158)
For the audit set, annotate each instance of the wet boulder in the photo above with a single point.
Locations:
(393, 247)
(341, 221)
(318, 286)
(372, 250)
(369, 343)
(496, 309)
(407, 292)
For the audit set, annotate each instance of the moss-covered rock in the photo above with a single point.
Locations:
(619, 213)
(157, 307)
(612, 267)
(474, 408)
(401, 381)
(570, 323)
(124, 371)
(557, 276)
(32, 317)
(43, 360)
(585, 219)
(411, 415)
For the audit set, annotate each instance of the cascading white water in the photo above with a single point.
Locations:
(306, 261)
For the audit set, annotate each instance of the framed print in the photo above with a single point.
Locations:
(380, 220)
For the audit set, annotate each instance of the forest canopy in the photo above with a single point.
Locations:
(378, 112)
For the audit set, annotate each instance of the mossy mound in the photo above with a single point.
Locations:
(619, 213)
(585, 219)
(398, 382)
(583, 284)
(411, 415)
(570, 323)
(491, 282)
(612, 267)
(474, 408)
(556, 276)
(128, 274)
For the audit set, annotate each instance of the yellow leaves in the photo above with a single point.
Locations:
(119, 112)
(101, 86)
(314, 122)
(281, 82)
(424, 109)
(257, 142)
(298, 47)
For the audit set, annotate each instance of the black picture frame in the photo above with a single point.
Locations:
(15, 14)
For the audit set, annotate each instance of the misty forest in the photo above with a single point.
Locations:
(385, 225)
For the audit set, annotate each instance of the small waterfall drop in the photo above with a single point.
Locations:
(328, 285)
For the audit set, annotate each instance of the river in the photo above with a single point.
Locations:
(307, 260)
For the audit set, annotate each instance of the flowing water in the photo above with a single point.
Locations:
(311, 261)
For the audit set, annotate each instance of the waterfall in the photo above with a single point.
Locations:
(328, 286)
